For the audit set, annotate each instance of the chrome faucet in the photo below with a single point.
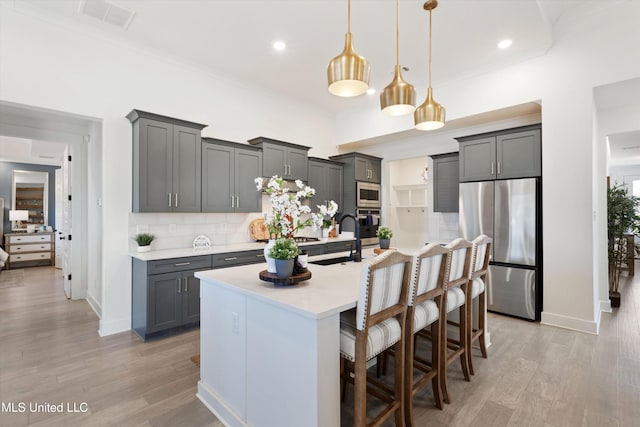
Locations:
(357, 255)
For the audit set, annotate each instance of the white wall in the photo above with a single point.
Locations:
(46, 64)
(563, 80)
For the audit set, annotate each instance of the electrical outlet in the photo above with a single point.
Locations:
(235, 323)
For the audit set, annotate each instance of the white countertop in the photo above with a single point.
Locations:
(249, 246)
(331, 289)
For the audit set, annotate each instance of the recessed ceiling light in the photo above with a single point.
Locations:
(371, 91)
(505, 44)
(279, 45)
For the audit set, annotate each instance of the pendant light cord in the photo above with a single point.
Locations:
(397, 33)
(349, 16)
(430, 10)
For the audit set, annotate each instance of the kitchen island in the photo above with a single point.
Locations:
(270, 355)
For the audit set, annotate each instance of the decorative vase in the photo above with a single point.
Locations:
(384, 243)
(284, 267)
(325, 232)
(271, 262)
(144, 248)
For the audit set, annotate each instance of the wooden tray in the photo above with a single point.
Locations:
(284, 281)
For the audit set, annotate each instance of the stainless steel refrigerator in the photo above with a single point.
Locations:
(509, 211)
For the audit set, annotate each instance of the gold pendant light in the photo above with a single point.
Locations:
(430, 115)
(399, 98)
(348, 73)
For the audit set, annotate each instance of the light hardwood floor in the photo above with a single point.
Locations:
(535, 375)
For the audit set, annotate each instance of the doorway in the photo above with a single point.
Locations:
(74, 133)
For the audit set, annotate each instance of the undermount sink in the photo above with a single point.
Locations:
(331, 261)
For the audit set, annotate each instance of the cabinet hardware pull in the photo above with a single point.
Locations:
(260, 256)
(232, 202)
(491, 168)
(186, 284)
(285, 169)
(180, 264)
(179, 286)
(498, 168)
(237, 202)
(176, 204)
(169, 199)
(233, 258)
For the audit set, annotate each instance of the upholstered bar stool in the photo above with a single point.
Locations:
(426, 310)
(477, 284)
(377, 323)
(457, 286)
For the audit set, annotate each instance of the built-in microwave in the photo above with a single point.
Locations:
(368, 195)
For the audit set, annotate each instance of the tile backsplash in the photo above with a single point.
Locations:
(177, 230)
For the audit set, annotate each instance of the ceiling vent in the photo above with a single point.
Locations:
(107, 12)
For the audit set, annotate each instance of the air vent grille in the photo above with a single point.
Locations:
(107, 12)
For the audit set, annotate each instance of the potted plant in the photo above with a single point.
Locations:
(384, 234)
(622, 219)
(144, 241)
(284, 251)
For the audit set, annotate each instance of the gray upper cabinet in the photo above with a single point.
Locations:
(367, 169)
(513, 153)
(228, 173)
(360, 167)
(445, 182)
(326, 177)
(166, 163)
(284, 159)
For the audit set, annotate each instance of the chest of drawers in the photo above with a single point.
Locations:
(29, 249)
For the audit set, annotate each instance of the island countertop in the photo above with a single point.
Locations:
(330, 290)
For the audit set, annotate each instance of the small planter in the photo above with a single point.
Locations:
(384, 243)
(284, 267)
(144, 248)
(614, 297)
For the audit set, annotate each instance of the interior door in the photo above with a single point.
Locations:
(66, 222)
(58, 219)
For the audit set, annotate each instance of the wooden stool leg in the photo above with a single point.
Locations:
(464, 342)
(444, 365)
(398, 381)
(436, 345)
(482, 312)
(469, 337)
(408, 381)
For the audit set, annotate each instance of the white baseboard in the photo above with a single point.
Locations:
(114, 327)
(97, 308)
(605, 305)
(566, 322)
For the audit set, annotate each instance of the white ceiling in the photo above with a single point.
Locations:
(233, 38)
(22, 150)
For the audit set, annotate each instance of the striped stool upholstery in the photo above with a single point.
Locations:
(457, 285)
(477, 282)
(426, 310)
(377, 323)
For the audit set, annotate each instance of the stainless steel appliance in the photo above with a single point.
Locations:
(369, 220)
(367, 195)
(509, 211)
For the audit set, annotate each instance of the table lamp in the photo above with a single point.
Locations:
(18, 216)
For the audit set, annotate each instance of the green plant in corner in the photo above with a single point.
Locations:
(144, 239)
(622, 219)
(384, 233)
(284, 249)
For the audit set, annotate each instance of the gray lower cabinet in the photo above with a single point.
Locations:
(228, 173)
(232, 259)
(445, 182)
(166, 163)
(326, 177)
(512, 153)
(166, 295)
(284, 159)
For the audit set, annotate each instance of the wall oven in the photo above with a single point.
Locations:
(369, 220)
(368, 195)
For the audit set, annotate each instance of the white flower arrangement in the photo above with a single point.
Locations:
(287, 210)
